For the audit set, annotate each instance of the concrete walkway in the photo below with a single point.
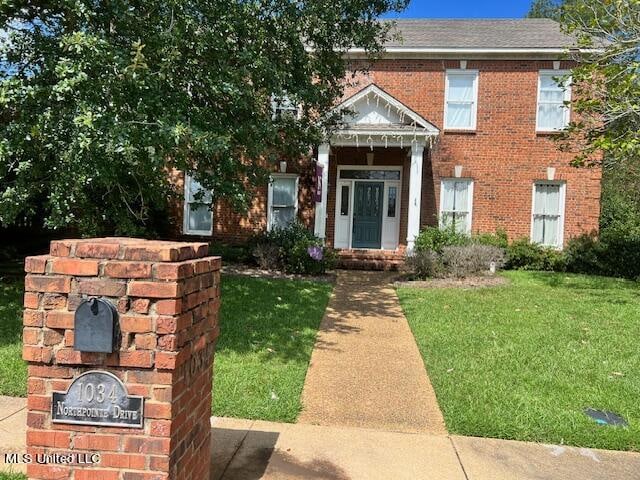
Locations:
(253, 450)
(366, 370)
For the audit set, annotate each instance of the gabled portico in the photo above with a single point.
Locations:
(369, 199)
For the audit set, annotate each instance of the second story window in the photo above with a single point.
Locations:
(282, 107)
(461, 99)
(553, 113)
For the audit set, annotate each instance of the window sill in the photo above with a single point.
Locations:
(193, 233)
(549, 133)
(467, 131)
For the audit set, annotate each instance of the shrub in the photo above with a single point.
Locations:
(619, 253)
(267, 256)
(616, 253)
(462, 261)
(231, 253)
(524, 255)
(293, 249)
(435, 239)
(583, 254)
(498, 239)
(424, 264)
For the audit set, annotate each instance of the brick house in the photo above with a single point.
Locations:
(455, 124)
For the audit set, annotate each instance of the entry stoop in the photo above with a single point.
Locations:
(370, 260)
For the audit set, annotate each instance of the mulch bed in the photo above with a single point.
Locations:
(469, 282)
(255, 272)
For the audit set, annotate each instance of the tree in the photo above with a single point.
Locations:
(545, 9)
(606, 86)
(99, 101)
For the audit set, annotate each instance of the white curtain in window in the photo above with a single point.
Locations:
(460, 100)
(284, 191)
(448, 198)
(546, 214)
(455, 205)
(551, 108)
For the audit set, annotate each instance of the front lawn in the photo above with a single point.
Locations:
(268, 329)
(267, 332)
(523, 361)
(13, 370)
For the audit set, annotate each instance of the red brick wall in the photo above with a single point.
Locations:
(504, 156)
(233, 227)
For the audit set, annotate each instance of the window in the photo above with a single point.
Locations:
(284, 106)
(370, 174)
(456, 198)
(198, 217)
(553, 114)
(461, 99)
(548, 212)
(344, 200)
(283, 200)
(391, 201)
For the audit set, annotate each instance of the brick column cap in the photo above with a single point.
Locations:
(122, 248)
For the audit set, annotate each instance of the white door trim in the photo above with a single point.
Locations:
(351, 182)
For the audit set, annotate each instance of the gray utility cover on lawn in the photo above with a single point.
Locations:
(603, 417)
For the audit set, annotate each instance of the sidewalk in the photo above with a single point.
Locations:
(253, 450)
(366, 370)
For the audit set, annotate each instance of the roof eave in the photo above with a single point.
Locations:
(478, 53)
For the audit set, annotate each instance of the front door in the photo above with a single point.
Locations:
(367, 214)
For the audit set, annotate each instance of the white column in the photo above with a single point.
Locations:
(321, 207)
(415, 194)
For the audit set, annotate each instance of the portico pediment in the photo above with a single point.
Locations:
(373, 116)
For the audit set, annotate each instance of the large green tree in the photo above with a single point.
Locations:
(545, 9)
(99, 99)
(606, 79)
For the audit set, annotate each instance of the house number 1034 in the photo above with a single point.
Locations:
(89, 391)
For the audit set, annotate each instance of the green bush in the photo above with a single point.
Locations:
(230, 253)
(293, 249)
(616, 253)
(524, 255)
(498, 239)
(435, 239)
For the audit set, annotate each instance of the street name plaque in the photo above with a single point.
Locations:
(97, 398)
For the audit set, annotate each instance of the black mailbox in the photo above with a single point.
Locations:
(95, 326)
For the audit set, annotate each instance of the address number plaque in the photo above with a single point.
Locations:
(98, 398)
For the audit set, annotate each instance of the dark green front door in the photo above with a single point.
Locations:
(367, 214)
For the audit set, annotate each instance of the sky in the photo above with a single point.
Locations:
(465, 9)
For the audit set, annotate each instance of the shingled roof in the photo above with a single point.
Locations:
(525, 33)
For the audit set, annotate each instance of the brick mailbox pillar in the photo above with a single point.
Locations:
(152, 421)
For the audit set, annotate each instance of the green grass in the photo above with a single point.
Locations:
(13, 370)
(268, 328)
(524, 360)
(267, 332)
(12, 476)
